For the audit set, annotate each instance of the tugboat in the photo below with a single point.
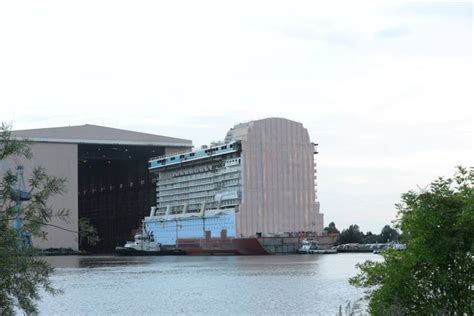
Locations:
(144, 245)
(312, 247)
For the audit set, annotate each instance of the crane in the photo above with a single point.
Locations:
(21, 195)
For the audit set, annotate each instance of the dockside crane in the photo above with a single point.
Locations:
(21, 195)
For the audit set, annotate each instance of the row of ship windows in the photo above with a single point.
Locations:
(175, 192)
(195, 222)
(200, 199)
(198, 171)
(191, 197)
(187, 195)
(192, 154)
(168, 187)
(193, 207)
(191, 171)
(200, 188)
(232, 163)
(166, 179)
(209, 199)
(194, 170)
(230, 202)
(177, 210)
(190, 182)
(196, 208)
(201, 180)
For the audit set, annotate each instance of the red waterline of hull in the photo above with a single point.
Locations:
(220, 246)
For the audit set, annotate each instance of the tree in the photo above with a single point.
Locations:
(370, 238)
(22, 273)
(331, 229)
(351, 235)
(435, 273)
(388, 234)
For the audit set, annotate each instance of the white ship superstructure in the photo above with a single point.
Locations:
(198, 180)
(196, 191)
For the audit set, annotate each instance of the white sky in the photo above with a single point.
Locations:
(382, 86)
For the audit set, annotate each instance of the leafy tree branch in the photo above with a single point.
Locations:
(22, 272)
(434, 275)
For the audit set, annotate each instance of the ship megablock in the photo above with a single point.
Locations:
(238, 196)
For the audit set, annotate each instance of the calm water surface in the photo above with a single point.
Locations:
(268, 285)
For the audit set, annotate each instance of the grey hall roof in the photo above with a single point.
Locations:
(94, 134)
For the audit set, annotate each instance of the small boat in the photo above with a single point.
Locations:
(312, 247)
(145, 245)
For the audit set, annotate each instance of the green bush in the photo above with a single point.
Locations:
(435, 273)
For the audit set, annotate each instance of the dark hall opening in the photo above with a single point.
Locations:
(115, 190)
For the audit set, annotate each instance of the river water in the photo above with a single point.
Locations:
(234, 285)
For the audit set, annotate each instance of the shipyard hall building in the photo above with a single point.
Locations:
(258, 182)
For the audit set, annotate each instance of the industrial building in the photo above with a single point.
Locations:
(260, 181)
(107, 178)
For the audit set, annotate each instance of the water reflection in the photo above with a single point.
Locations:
(93, 261)
(306, 284)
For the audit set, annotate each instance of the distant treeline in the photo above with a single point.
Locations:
(354, 235)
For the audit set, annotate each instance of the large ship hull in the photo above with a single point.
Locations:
(243, 246)
(222, 247)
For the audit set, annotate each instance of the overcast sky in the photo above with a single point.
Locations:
(383, 87)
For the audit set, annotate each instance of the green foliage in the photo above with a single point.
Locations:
(350, 309)
(370, 238)
(22, 273)
(10, 147)
(351, 235)
(331, 229)
(435, 273)
(388, 234)
(87, 232)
